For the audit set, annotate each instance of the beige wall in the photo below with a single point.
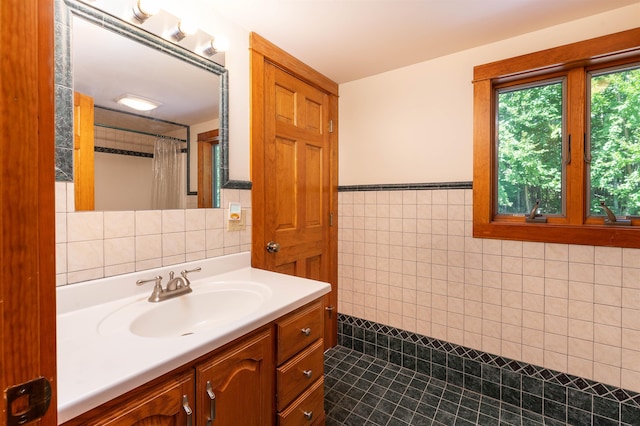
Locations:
(415, 124)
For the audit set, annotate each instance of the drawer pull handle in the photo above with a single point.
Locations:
(307, 373)
(187, 409)
(308, 415)
(306, 331)
(212, 403)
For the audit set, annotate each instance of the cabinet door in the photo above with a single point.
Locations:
(236, 387)
(155, 404)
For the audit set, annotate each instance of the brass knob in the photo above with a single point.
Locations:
(273, 247)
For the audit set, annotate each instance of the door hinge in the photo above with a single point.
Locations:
(28, 401)
(330, 218)
(330, 126)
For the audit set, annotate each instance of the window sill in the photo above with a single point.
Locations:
(594, 235)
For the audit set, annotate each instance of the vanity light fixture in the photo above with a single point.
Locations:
(144, 9)
(138, 103)
(209, 48)
(183, 29)
(214, 46)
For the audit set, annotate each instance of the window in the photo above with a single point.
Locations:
(614, 141)
(557, 144)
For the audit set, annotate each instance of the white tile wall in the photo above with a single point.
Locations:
(92, 245)
(408, 259)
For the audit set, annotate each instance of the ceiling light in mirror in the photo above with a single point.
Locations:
(138, 103)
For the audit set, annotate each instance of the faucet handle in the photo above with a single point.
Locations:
(185, 272)
(157, 280)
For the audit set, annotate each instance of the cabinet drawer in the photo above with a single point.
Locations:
(305, 410)
(298, 330)
(299, 372)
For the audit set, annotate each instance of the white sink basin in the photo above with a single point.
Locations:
(209, 305)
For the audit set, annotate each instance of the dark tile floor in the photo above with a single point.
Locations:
(361, 390)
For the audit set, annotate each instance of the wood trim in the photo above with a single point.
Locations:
(283, 60)
(586, 51)
(206, 141)
(27, 241)
(257, 159)
(83, 152)
(331, 299)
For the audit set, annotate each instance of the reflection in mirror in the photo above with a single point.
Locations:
(121, 152)
(133, 167)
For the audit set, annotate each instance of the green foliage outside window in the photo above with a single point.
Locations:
(615, 142)
(529, 130)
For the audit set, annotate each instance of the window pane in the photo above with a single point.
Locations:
(615, 142)
(529, 149)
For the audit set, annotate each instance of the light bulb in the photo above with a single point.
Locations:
(144, 9)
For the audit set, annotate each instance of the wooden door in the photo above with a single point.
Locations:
(294, 170)
(27, 218)
(236, 386)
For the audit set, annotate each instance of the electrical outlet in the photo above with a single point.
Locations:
(237, 225)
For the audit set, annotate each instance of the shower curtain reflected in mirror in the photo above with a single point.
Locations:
(167, 174)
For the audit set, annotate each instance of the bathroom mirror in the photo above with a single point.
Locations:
(110, 58)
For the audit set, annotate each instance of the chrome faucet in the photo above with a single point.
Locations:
(175, 287)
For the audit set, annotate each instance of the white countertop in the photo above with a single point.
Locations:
(94, 367)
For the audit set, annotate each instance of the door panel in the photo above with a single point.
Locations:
(294, 170)
(299, 191)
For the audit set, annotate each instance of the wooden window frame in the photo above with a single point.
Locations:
(573, 60)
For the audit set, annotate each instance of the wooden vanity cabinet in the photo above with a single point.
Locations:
(160, 403)
(235, 388)
(236, 385)
(300, 372)
(241, 380)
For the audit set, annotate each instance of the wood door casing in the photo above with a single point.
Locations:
(206, 143)
(83, 151)
(294, 170)
(27, 240)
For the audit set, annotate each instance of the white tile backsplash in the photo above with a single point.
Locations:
(91, 245)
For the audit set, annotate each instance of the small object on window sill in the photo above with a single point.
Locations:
(534, 216)
(611, 219)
